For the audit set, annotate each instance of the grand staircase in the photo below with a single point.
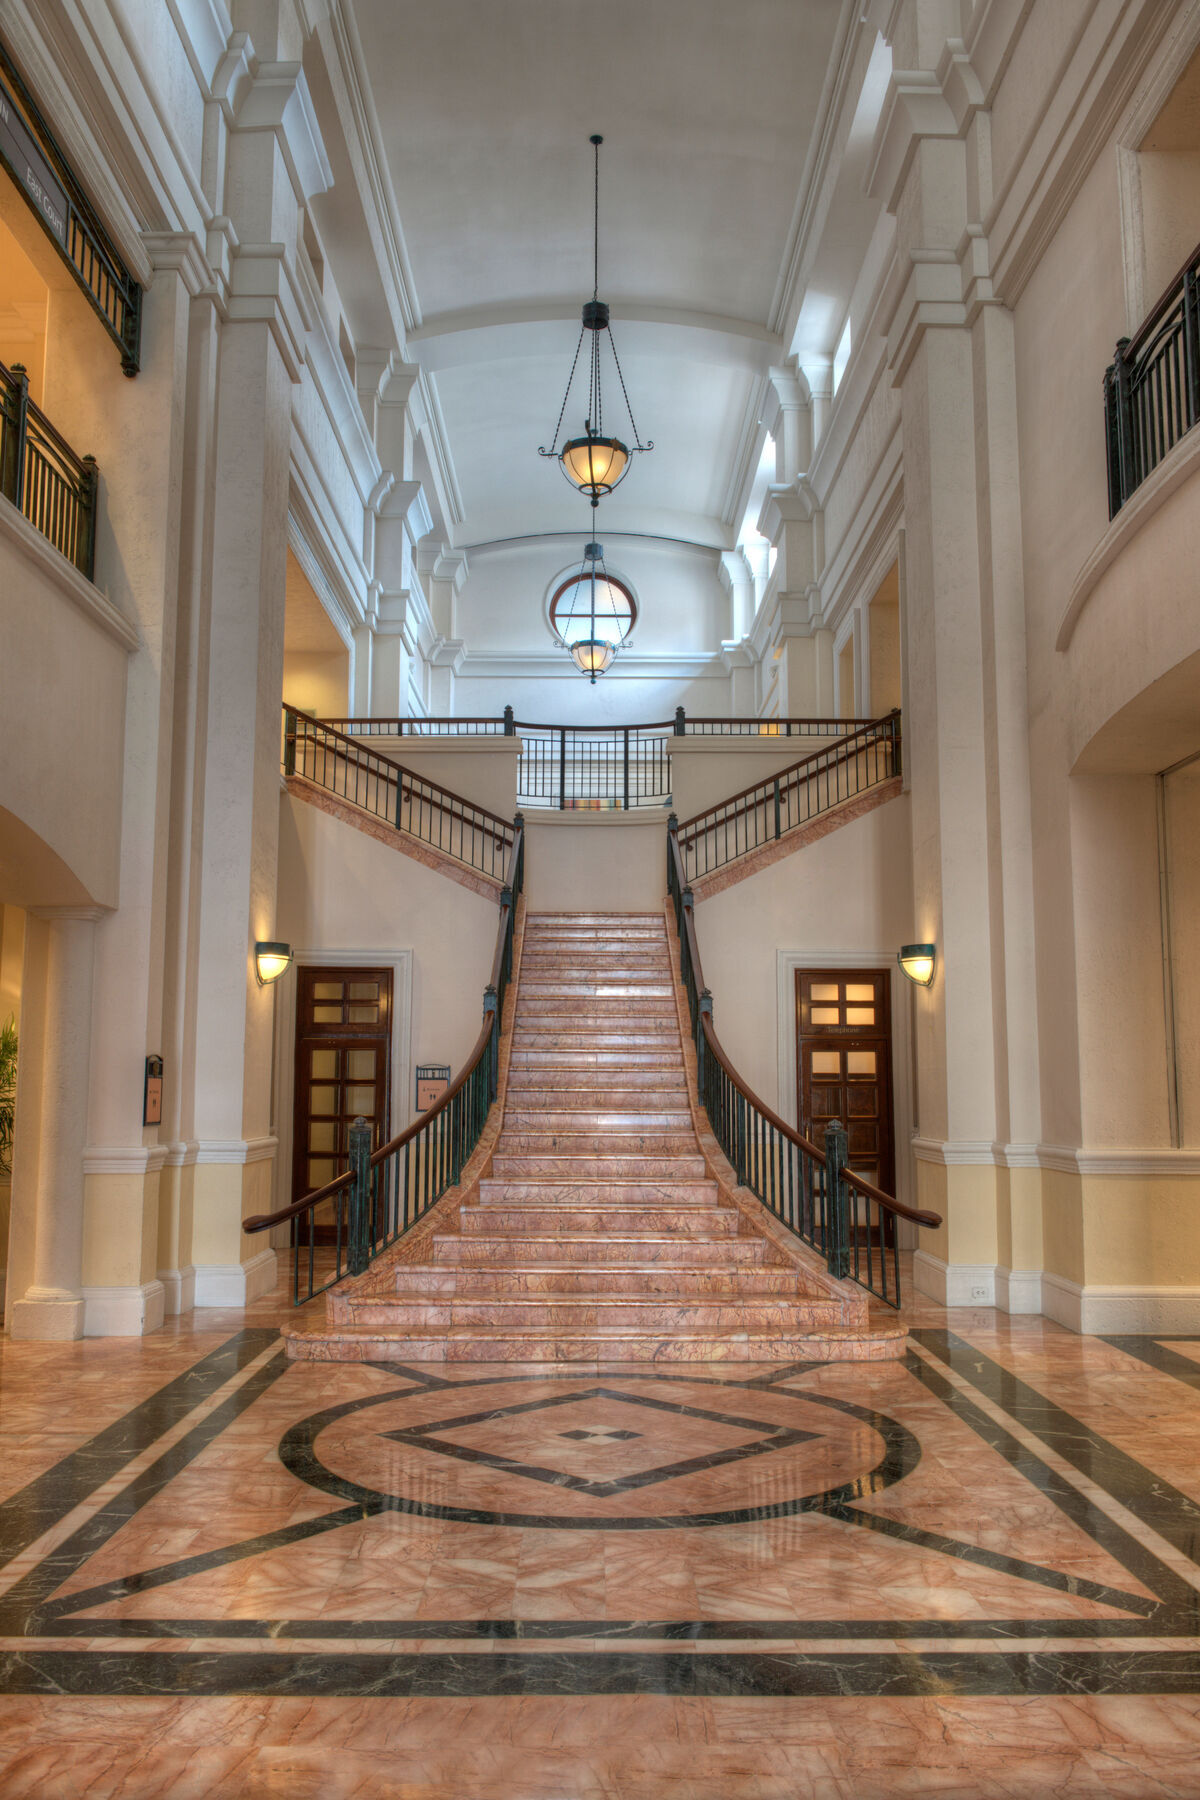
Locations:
(600, 1232)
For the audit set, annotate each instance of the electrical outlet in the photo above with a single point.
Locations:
(979, 1293)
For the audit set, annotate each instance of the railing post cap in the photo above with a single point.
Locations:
(673, 821)
(689, 899)
(506, 896)
(519, 821)
(706, 1001)
(489, 998)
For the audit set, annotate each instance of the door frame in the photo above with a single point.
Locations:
(903, 1101)
(284, 1078)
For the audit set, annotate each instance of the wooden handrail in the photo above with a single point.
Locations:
(1170, 294)
(917, 1214)
(355, 751)
(840, 749)
(261, 1221)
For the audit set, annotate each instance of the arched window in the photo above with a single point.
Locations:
(571, 608)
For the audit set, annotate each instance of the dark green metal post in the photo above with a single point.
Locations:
(837, 1201)
(360, 1197)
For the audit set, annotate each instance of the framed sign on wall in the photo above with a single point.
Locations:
(432, 1081)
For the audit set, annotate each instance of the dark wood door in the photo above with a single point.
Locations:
(844, 1064)
(343, 1046)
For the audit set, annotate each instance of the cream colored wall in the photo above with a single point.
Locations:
(1183, 850)
(595, 862)
(883, 624)
(481, 769)
(705, 771)
(62, 698)
(317, 682)
(850, 891)
(342, 890)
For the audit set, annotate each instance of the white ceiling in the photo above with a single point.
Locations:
(715, 116)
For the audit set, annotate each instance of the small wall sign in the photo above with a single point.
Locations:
(152, 1098)
(432, 1081)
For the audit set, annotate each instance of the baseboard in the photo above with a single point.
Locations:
(1113, 1311)
(954, 1284)
(123, 1311)
(1018, 1290)
(179, 1289)
(234, 1284)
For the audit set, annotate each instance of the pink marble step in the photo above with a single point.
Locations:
(545, 1078)
(597, 1280)
(549, 1006)
(373, 1343)
(530, 1167)
(626, 1248)
(591, 1119)
(598, 1059)
(564, 1312)
(598, 1144)
(528, 1037)
(585, 1193)
(531, 1100)
(525, 1220)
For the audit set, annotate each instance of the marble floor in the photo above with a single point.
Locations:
(974, 1572)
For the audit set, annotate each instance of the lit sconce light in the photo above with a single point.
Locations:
(270, 960)
(917, 961)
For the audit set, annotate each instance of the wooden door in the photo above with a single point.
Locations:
(844, 1064)
(343, 1056)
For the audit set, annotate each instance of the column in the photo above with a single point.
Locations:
(55, 1103)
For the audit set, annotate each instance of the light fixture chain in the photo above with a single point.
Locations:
(562, 412)
(637, 440)
(596, 142)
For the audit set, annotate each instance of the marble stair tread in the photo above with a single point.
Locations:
(546, 1166)
(628, 1248)
(630, 1280)
(577, 1312)
(700, 1191)
(601, 1145)
(481, 1343)
(595, 1119)
(526, 1220)
(533, 1102)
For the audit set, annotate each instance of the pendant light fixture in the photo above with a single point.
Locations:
(593, 654)
(594, 463)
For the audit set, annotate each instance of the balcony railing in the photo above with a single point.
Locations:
(592, 767)
(41, 474)
(1152, 386)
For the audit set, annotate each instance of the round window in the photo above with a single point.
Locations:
(578, 599)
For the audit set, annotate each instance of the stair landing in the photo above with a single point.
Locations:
(599, 1233)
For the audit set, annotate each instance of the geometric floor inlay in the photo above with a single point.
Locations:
(845, 1529)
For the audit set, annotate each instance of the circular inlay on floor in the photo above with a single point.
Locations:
(613, 1452)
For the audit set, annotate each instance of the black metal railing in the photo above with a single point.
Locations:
(592, 767)
(1152, 386)
(768, 810)
(41, 474)
(31, 152)
(807, 1186)
(339, 1229)
(615, 767)
(386, 790)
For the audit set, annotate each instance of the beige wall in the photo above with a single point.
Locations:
(595, 862)
(850, 891)
(317, 681)
(705, 771)
(342, 890)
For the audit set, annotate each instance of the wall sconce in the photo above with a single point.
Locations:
(270, 960)
(917, 961)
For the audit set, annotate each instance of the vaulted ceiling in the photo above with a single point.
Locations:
(719, 123)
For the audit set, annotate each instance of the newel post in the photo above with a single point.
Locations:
(837, 1201)
(359, 1223)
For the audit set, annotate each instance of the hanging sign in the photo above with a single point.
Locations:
(152, 1097)
(20, 151)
